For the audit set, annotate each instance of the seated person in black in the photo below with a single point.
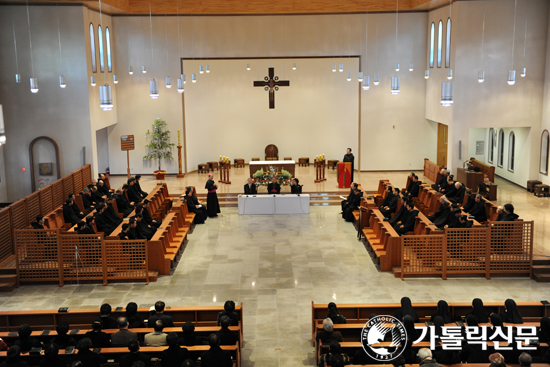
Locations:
(274, 187)
(69, 215)
(26, 342)
(194, 206)
(102, 188)
(76, 209)
(159, 315)
(123, 205)
(189, 338)
(138, 187)
(229, 311)
(125, 234)
(463, 222)
(441, 180)
(250, 188)
(350, 197)
(453, 219)
(174, 354)
(87, 200)
(470, 202)
(105, 316)
(62, 339)
(143, 229)
(450, 188)
(111, 214)
(226, 336)
(295, 187)
(440, 210)
(133, 229)
(352, 206)
(407, 224)
(413, 188)
(96, 195)
(478, 209)
(458, 195)
(334, 315)
(147, 216)
(508, 214)
(39, 224)
(134, 319)
(133, 195)
(90, 221)
(99, 338)
(13, 358)
(128, 360)
(390, 206)
(215, 356)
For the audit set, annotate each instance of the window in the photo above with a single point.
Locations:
(439, 43)
(432, 44)
(448, 45)
(500, 157)
(511, 151)
(92, 48)
(491, 145)
(100, 44)
(544, 145)
(108, 44)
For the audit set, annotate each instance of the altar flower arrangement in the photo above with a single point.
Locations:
(159, 174)
(284, 178)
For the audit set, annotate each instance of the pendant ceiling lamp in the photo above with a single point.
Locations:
(247, 66)
(349, 77)
(447, 92)
(154, 89)
(448, 54)
(428, 49)
(181, 87)
(376, 79)
(450, 74)
(17, 75)
(366, 83)
(105, 92)
(395, 80)
(115, 79)
(334, 68)
(360, 77)
(130, 70)
(167, 79)
(294, 66)
(411, 66)
(193, 78)
(33, 80)
(481, 74)
(168, 82)
(2, 130)
(427, 74)
(62, 81)
(92, 81)
(512, 73)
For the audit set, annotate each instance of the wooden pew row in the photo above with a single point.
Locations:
(167, 243)
(359, 312)
(114, 354)
(83, 318)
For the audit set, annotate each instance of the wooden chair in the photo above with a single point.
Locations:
(303, 161)
(271, 153)
(203, 168)
(238, 162)
(255, 159)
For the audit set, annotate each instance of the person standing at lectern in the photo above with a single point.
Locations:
(350, 158)
(250, 188)
(212, 199)
(274, 187)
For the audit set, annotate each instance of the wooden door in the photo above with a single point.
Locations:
(442, 136)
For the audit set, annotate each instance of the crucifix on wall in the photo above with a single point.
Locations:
(272, 83)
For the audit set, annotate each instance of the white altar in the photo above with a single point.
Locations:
(274, 204)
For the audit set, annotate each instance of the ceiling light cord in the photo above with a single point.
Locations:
(482, 42)
(514, 32)
(59, 36)
(30, 39)
(15, 45)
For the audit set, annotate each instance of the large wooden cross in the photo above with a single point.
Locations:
(272, 83)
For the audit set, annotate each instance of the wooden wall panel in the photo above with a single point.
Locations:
(68, 186)
(19, 214)
(5, 233)
(57, 190)
(86, 176)
(46, 201)
(33, 207)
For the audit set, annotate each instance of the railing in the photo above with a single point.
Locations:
(50, 256)
(21, 213)
(499, 248)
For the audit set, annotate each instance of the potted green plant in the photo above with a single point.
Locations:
(159, 147)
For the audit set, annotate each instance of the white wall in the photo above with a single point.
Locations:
(545, 125)
(62, 114)
(475, 136)
(3, 178)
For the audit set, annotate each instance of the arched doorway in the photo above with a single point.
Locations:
(46, 169)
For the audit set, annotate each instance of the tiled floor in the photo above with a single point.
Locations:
(277, 265)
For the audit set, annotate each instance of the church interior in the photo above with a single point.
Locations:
(422, 88)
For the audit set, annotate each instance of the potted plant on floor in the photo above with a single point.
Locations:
(159, 147)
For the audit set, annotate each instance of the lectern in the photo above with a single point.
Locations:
(344, 174)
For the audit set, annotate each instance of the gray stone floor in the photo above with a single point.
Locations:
(275, 266)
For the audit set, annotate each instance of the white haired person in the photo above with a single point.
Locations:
(426, 358)
(328, 334)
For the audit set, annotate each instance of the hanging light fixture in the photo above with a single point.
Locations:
(426, 74)
(395, 84)
(360, 77)
(181, 87)
(411, 66)
(92, 81)
(397, 68)
(366, 83)
(376, 79)
(34, 81)
(62, 82)
(17, 75)
(247, 66)
(523, 72)
(193, 78)
(154, 89)
(447, 91)
(341, 68)
(208, 69)
(334, 68)
(2, 130)
(183, 78)
(294, 66)
(130, 70)
(105, 97)
(512, 73)
(115, 79)
(450, 74)
(143, 70)
(201, 71)
(481, 76)
(168, 82)
(481, 73)
(349, 77)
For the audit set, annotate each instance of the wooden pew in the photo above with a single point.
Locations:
(167, 243)
(488, 170)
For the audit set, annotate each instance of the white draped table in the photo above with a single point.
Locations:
(274, 204)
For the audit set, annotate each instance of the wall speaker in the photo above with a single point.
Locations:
(460, 149)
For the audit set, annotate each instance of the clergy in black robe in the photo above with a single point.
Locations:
(39, 224)
(147, 216)
(352, 206)
(138, 187)
(348, 157)
(350, 196)
(414, 188)
(441, 180)
(274, 187)
(442, 201)
(75, 207)
(194, 207)
(68, 213)
(458, 195)
(391, 205)
(453, 219)
(87, 200)
(389, 192)
(401, 214)
(111, 213)
(470, 202)
(102, 222)
(125, 234)
(441, 220)
(295, 187)
(463, 222)
(508, 214)
(96, 195)
(250, 188)
(102, 188)
(133, 229)
(478, 210)
(449, 188)
(122, 203)
(89, 229)
(212, 204)
(143, 229)
(132, 193)
(407, 225)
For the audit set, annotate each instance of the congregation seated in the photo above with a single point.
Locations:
(349, 199)
(125, 234)
(88, 227)
(39, 223)
(470, 202)
(229, 311)
(96, 195)
(544, 331)
(406, 309)
(328, 334)
(274, 187)
(449, 188)
(226, 336)
(105, 316)
(144, 231)
(250, 188)
(86, 356)
(443, 312)
(426, 358)
(133, 194)
(333, 355)
(215, 356)
(174, 354)
(506, 213)
(104, 222)
(99, 338)
(87, 200)
(13, 358)
(62, 340)
(137, 186)
(441, 182)
(413, 189)
(295, 187)
(477, 210)
(457, 195)
(334, 315)
(443, 207)
(525, 360)
(123, 336)
(159, 315)
(134, 356)
(134, 319)
(102, 189)
(26, 342)
(389, 204)
(407, 222)
(478, 311)
(461, 221)
(194, 206)
(511, 313)
(146, 215)
(189, 338)
(352, 205)
(157, 338)
(69, 215)
(75, 207)
(123, 204)
(51, 357)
